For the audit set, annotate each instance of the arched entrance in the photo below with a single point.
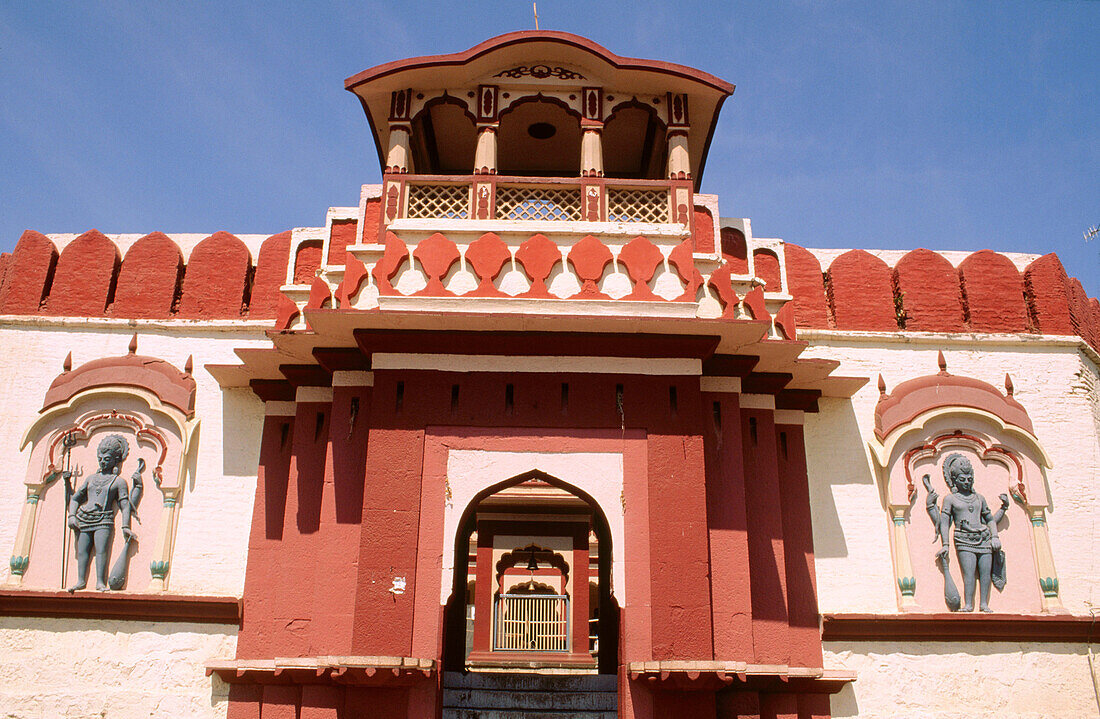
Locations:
(532, 581)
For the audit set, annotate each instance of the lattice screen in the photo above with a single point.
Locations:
(450, 202)
(637, 206)
(524, 203)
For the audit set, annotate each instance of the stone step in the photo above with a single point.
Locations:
(507, 681)
(521, 714)
(539, 700)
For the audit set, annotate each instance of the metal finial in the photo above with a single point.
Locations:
(942, 361)
(1009, 387)
(68, 363)
(881, 387)
(133, 344)
(189, 365)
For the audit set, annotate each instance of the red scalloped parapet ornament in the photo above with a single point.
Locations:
(538, 255)
(589, 258)
(436, 255)
(385, 270)
(641, 258)
(487, 256)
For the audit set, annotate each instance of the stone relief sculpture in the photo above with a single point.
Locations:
(977, 544)
(91, 514)
(982, 441)
(101, 426)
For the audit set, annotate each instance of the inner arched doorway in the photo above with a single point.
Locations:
(532, 581)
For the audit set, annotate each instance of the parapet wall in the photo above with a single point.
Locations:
(924, 291)
(219, 278)
(224, 277)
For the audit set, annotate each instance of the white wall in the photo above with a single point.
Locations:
(963, 680)
(216, 511)
(1057, 385)
(54, 668)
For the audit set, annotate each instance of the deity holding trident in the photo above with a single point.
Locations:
(91, 512)
(977, 545)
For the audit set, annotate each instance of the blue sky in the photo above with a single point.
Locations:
(880, 124)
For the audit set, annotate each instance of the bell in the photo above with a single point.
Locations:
(532, 565)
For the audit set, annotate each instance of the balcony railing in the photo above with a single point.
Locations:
(531, 623)
(534, 199)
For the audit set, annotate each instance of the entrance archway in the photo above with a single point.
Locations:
(528, 553)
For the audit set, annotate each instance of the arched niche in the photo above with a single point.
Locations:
(917, 427)
(634, 142)
(150, 405)
(444, 137)
(539, 137)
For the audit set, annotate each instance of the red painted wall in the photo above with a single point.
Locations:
(727, 525)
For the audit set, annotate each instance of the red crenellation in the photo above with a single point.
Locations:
(30, 274)
(84, 281)
(993, 293)
(806, 283)
(271, 266)
(858, 291)
(861, 293)
(1048, 296)
(150, 279)
(929, 292)
(216, 283)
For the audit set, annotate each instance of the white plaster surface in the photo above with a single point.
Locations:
(216, 509)
(1058, 387)
(70, 668)
(963, 680)
(600, 474)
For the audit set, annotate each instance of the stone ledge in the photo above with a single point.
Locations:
(349, 670)
(121, 606)
(738, 676)
(959, 627)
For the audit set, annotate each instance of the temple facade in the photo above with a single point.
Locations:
(534, 430)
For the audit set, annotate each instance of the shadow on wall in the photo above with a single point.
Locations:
(844, 704)
(242, 424)
(836, 455)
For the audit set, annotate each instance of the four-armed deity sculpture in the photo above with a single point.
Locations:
(977, 546)
(91, 513)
